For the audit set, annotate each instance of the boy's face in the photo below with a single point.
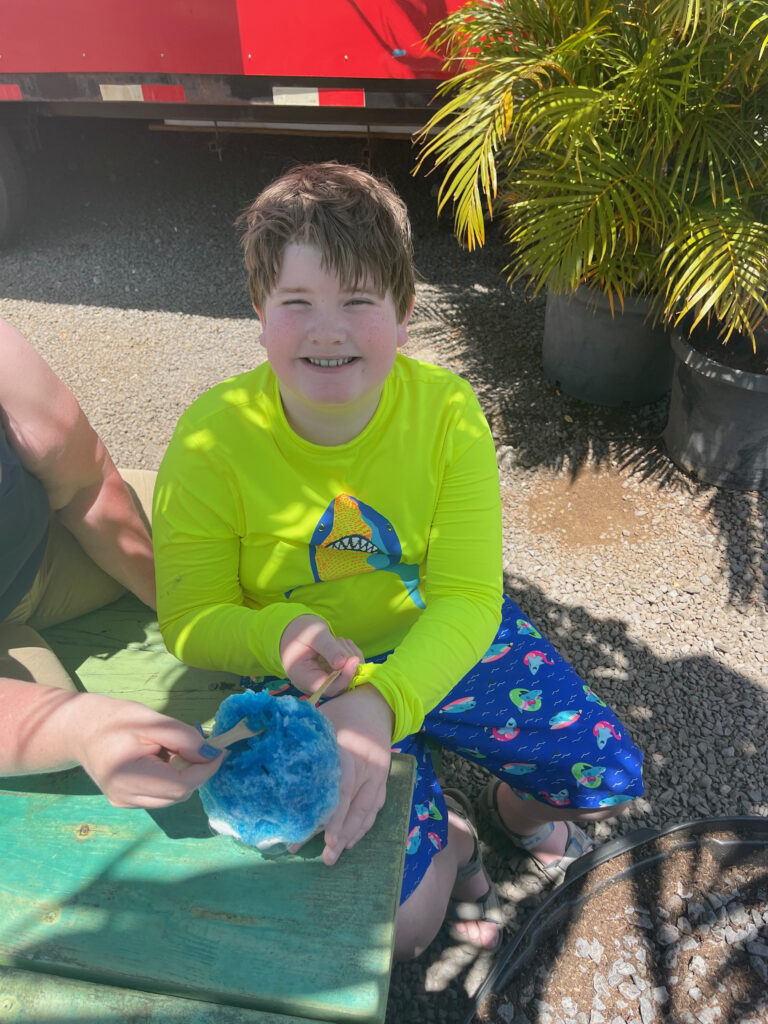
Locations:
(331, 349)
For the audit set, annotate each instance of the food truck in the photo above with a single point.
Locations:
(343, 67)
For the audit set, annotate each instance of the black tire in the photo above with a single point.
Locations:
(13, 189)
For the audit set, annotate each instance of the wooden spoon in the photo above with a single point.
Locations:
(322, 688)
(239, 731)
(242, 731)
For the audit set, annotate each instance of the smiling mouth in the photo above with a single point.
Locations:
(344, 361)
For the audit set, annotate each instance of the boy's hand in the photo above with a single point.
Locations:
(124, 747)
(363, 722)
(309, 651)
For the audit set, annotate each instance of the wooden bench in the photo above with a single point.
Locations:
(117, 915)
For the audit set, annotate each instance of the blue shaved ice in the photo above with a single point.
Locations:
(281, 786)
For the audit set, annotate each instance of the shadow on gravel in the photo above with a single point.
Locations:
(130, 218)
(699, 724)
(492, 335)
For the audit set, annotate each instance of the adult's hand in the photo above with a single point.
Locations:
(309, 651)
(363, 722)
(124, 747)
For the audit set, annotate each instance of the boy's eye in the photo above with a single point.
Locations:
(295, 302)
(359, 300)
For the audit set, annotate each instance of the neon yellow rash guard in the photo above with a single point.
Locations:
(394, 538)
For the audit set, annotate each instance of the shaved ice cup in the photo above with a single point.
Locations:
(281, 786)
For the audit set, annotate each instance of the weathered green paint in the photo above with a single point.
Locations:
(33, 998)
(118, 650)
(152, 902)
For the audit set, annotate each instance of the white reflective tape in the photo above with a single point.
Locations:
(295, 96)
(121, 92)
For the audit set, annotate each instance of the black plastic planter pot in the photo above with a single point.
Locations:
(730, 840)
(718, 421)
(604, 359)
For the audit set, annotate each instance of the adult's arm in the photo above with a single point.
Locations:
(55, 442)
(122, 745)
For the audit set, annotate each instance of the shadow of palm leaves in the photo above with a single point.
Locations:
(467, 318)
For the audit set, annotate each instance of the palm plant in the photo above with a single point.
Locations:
(623, 143)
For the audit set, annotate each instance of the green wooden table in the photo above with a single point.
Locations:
(111, 915)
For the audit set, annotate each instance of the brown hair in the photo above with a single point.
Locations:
(357, 221)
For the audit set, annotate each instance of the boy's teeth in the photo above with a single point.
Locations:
(331, 362)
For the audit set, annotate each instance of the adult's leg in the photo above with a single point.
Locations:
(141, 487)
(25, 655)
(69, 583)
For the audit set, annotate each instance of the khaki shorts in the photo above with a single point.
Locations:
(68, 584)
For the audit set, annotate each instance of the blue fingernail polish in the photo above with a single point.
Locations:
(208, 751)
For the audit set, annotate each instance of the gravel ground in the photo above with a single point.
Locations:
(128, 280)
(679, 936)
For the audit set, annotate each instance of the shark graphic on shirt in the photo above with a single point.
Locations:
(351, 538)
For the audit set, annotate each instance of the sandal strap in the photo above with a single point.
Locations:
(484, 908)
(530, 842)
(525, 842)
(473, 865)
(578, 842)
(463, 810)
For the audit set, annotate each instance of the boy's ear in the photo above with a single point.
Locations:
(260, 315)
(402, 327)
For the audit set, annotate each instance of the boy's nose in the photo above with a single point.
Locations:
(327, 327)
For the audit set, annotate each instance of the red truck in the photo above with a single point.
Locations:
(330, 66)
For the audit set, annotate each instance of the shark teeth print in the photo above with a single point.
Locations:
(354, 542)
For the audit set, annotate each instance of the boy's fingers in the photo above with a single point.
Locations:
(334, 650)
(356, 824)
(345, 678)
(335, 825)
(359, 814)
(353, 651)
(335, 829)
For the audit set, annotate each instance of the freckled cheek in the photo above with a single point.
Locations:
(283, 322)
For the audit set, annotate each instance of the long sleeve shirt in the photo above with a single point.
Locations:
(394, 538)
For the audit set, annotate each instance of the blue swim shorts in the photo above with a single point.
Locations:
(525, 715)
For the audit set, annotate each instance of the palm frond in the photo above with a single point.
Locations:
(687, 17)
(750, 21)
(597, 127)
(466, 135)
(717, 265)
(564, 231)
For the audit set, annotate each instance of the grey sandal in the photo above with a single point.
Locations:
(578, 843)
(484, 908)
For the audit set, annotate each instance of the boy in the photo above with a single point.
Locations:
(338, 509)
